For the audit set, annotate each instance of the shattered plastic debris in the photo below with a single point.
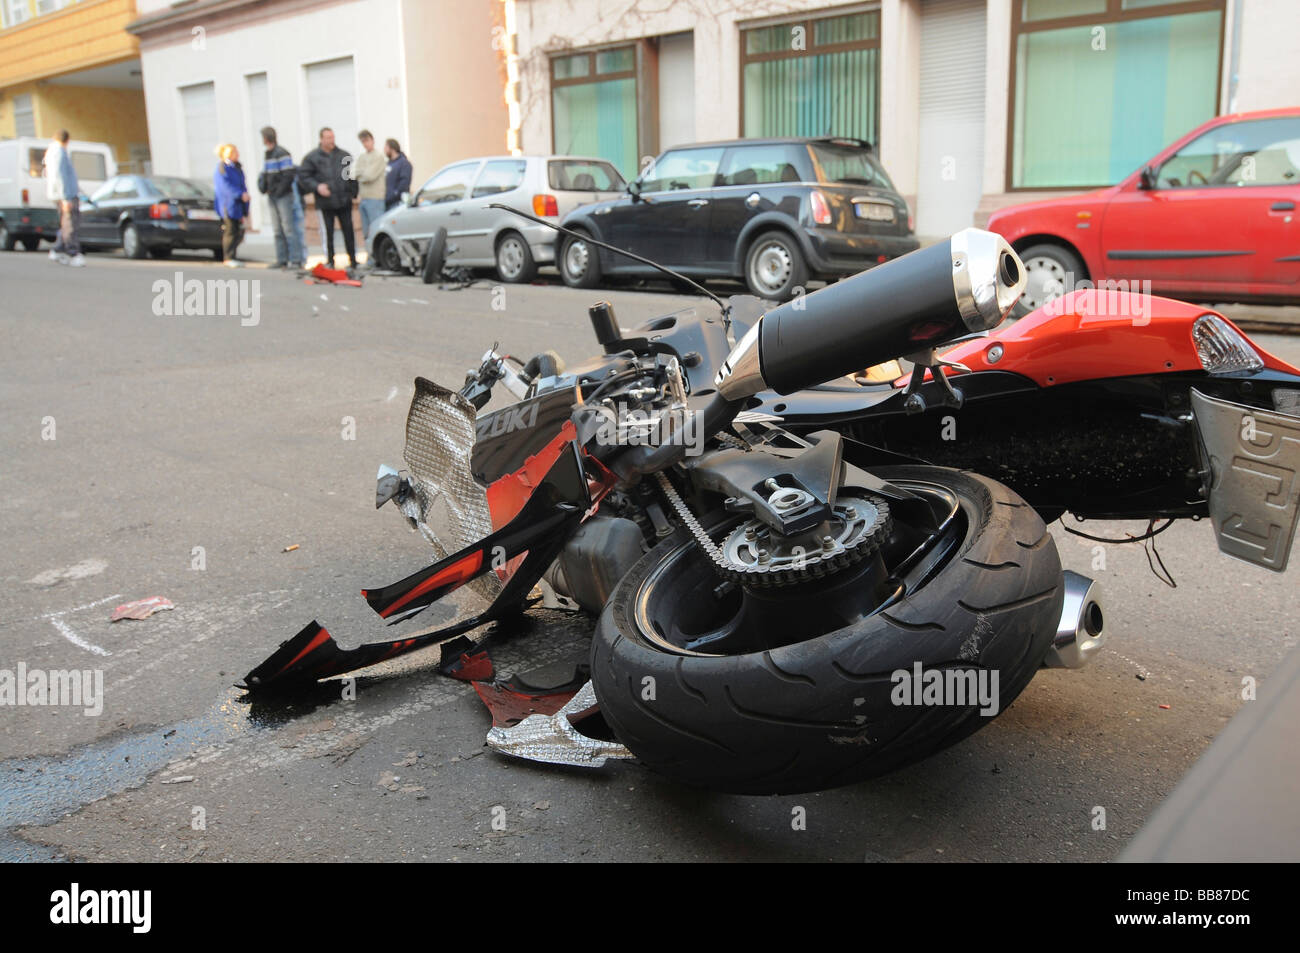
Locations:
(141, 608)
(553, 739)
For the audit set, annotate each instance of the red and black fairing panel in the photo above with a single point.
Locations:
(537, 532)
(507, 438)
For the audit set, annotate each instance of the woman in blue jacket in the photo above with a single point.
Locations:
(232, 201)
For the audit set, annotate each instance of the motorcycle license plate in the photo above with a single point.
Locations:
(203, 215)
(1254, 459)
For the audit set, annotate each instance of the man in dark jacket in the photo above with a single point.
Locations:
(326, 172)
(275, 181)
(398, 174)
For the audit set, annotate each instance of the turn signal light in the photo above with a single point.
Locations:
(545, 205)
(821, 209)
(26, 198)
(1221, 348)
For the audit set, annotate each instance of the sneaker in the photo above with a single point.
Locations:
(233, 263)
(58, 256)
(77, 261)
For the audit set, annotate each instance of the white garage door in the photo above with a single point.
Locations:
(202, 131)
(951, 148)
(676, 90)
(251, 152)
(332, 101)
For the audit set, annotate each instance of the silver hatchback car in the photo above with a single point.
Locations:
(457, 197)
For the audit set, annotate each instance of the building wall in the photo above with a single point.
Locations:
(454, 81)
(92, 113)
(548, 26)
(1268, 60)
(89, 33)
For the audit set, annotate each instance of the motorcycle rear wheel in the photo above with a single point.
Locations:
(820, 712)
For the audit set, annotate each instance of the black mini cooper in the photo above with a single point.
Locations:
(773, 212)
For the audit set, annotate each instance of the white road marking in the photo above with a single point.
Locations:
(66, 630)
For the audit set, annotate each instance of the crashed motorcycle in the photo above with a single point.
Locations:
(780, 576)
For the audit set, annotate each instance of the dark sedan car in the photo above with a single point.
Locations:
(773, 212)
(151, 215)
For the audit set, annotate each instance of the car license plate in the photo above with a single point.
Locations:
(202, 215)
(874, 211)
(1254, 457)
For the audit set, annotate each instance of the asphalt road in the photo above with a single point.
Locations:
(174, 432)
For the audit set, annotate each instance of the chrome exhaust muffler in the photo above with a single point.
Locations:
(961, 286)
(1080, 633)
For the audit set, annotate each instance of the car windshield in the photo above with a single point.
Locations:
(582, 175)
(851, 165)
(178, 188)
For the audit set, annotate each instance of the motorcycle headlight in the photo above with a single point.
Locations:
(1221, 348)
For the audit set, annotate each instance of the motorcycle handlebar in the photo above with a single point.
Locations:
(967, 283)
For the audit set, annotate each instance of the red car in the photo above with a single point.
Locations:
(1211, 218)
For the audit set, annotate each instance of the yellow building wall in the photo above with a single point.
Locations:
(93, 113)
(86, 34)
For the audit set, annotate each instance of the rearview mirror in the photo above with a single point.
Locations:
(1147, 179)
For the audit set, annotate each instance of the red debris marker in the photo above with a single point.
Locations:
(334, 276)
(141, 608)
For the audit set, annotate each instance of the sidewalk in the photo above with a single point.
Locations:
(258, 250)
(1273, 319)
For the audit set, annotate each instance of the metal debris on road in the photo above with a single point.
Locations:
(553, 739)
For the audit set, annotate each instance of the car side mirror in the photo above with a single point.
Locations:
(1147, 178)
(408, 199)
(634, 190)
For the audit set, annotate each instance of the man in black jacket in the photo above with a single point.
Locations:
(397, 174)
(276, 182)
(326, 172)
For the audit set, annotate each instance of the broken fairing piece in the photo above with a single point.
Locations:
(141, 608)
(552, 739)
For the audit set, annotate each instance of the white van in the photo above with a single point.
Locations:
(25, 209)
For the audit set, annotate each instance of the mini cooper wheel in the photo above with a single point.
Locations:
(774, 266)
(579, 262)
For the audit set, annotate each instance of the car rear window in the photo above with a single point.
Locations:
(759, 165)
(177, 188)
(499, 175)
(577, 175)
(850, 165)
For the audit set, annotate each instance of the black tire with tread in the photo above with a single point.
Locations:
(139, 250)
(434, 256)
(818, 714)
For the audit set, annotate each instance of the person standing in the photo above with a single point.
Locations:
(232, 201)
(276, 182)
(62, 188)
(299, 228)
(371, 168)
(326, 172)
(398, 174)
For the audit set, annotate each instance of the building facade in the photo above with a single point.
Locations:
(972, 104)
(71, 64)
(423, 72)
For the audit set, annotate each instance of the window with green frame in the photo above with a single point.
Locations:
(812, 77)
(1102, 85)
(593, 106)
